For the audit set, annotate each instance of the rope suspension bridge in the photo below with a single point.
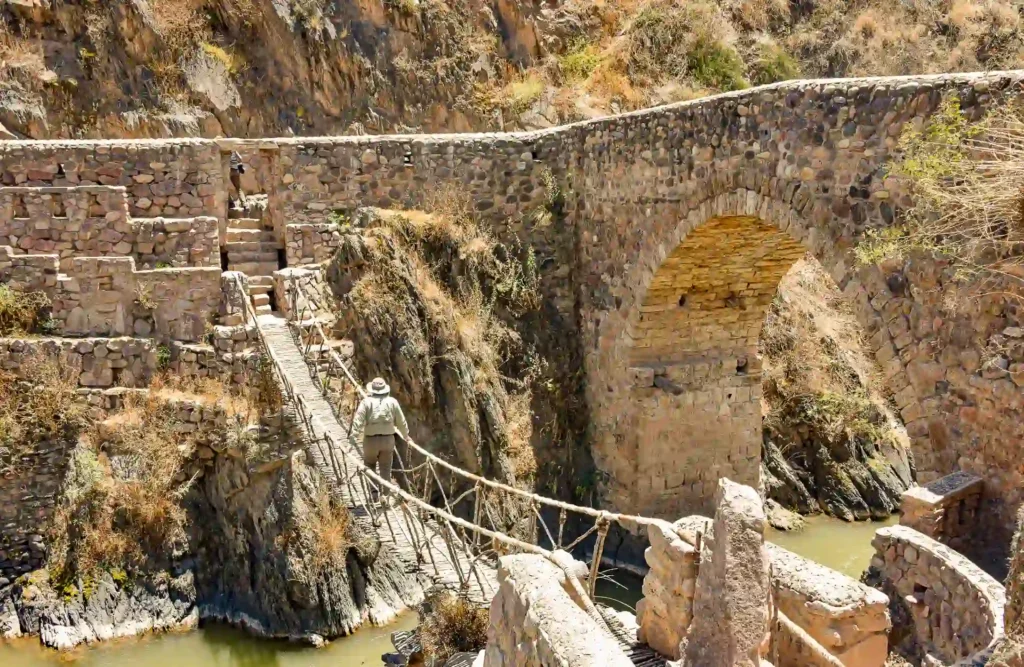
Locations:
(443, 521)
(453, 532)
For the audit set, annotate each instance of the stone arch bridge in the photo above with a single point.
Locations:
(671, 229)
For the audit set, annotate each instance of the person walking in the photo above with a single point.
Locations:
(377, 419)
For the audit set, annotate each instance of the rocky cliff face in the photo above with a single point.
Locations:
(133, 68)
(831, 441)
(264, 548)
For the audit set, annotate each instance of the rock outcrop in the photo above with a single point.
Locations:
(732, 603)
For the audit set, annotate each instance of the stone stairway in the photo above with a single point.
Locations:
(252, 249)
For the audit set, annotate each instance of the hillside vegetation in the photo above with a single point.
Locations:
(272, 67)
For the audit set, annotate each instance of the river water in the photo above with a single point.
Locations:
(845, 547)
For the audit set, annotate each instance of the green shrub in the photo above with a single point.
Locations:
(717, 65)
(774, 64)
(579, 62)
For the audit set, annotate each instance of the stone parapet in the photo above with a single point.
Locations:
(311, 243)
(956, 608)
(945, 509)
(847, 618)
(535, 622)
(665, 612)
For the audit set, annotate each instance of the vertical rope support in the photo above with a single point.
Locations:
(477, 503)
(595, 565)
(561, 526)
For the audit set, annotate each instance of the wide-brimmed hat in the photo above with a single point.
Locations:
(378, 387)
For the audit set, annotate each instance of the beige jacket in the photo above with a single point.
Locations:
(379, 415)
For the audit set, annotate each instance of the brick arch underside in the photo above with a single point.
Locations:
(694, 371)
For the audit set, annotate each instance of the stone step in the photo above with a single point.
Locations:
(260, 300)
(260, 289)
(254, 258)
(243, 235)
(245, 223)
(263, 310)
(262, 281)
(254, 268)
(249, 247)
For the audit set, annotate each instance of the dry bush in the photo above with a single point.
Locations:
(37, 403)
(181, 23)
(968, 186)
(328, 533)
(23, 312)
(452, 625)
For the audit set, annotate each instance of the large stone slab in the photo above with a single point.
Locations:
(732, 603)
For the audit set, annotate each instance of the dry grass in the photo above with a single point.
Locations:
(38, 403)
(328, 534)
(453, 625)
(23, 312)
(181, 23)
(815, 369)
(123, 497)
(969, 202)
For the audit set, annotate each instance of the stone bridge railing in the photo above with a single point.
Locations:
(955, 607)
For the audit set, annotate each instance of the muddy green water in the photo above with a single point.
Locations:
(842, 546)
(213, 646)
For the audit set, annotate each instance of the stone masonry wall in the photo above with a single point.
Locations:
(847, 618)
(166, 177)
(95, 362)
(956, 608)
(93, 221)
(945, 510)
(534, 621)
(665, 612)
(629, 217)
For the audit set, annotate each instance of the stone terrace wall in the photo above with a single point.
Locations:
(311, 243)
(534, 621)
(945, 510)
(166, 177)
(96, 362)
(107, 297)
(28, 273)
(94, 222)
(957, 609)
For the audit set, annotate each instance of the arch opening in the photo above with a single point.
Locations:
(694, 364)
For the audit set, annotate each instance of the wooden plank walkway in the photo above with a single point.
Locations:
(417, 543)
(416, 540)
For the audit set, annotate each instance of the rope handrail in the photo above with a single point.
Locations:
(421, 542)
(525, 495)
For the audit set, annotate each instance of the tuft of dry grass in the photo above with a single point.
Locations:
(37, 403)
(328, 533)
(22, 312)
(452, 625)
